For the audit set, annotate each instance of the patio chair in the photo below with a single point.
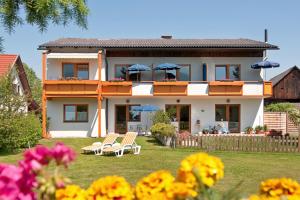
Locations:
(97, 147)
(127, 143)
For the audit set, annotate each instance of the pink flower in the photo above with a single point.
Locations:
(14, 185)
(62, 154)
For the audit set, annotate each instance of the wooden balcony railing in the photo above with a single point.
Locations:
(176, 88)
(71, 87)
(112, 88)
(224, 88)
(268, 88)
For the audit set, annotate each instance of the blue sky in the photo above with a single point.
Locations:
(180, 18)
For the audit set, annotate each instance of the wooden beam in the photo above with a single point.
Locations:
(44, 99)
(44, 65)
(99, 115)
(44, 116)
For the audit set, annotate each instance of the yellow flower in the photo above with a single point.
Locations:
(209, 169)
(279, 187)
(71, 192)
(179, 190)
(154, 186)
(110, 188)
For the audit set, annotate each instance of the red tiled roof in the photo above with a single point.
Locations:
(6, 62)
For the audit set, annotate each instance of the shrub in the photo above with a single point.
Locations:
(17, 131)
(249, 130)
(161, 117)
(163, 129)
(292, 111)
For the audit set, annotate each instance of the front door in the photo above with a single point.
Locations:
(231, 114)
(182, 114)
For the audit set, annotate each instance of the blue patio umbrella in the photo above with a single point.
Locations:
(145, 108)
(264, 65)
(138, 68)
(167, 66)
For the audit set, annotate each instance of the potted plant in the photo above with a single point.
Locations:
(205, 131)
(259, 129)
(249, 130)
(265, 129)
(163, 132)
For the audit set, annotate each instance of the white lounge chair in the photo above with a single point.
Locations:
(97, 147)
(127, 143)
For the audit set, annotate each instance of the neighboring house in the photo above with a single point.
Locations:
(286, 86)
(215, 83)
(11, 63)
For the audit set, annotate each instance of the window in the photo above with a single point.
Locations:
(76, 113)
(121, 71)
(182, 74)
(79, 71)
(228, 72)
(134, 116)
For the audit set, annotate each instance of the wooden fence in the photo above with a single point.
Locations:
(276, 121)
(240, 143)
(280, 121)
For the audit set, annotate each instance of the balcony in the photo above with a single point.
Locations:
(224, 88)
(268, 88)
(176, 88)
(114, 88)
(71, 88)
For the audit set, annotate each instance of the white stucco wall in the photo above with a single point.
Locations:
(54, 67)
(251, 110)
(59, 128)
(196, 63)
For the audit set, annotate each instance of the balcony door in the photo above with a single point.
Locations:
(229, 113)
(180, 113)
(123, 115)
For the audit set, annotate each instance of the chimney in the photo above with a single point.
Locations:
(266, 35)
(166, 37)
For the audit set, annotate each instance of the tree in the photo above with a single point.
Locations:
(42, 12)
(17, 128)
(35, 84)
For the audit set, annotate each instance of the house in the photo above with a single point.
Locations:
(88, 91)
(12, 63)
(286, 86)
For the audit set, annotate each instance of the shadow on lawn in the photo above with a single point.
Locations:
(10, 153)
(154, 141)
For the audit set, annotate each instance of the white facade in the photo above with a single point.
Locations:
(202, 105)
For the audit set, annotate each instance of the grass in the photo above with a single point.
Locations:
(251, 168)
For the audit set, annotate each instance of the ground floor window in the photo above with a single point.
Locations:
(229, 113)
(125, 114)
(75, 113)
(182, 114)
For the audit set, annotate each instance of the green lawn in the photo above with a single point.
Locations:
(249, 167)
